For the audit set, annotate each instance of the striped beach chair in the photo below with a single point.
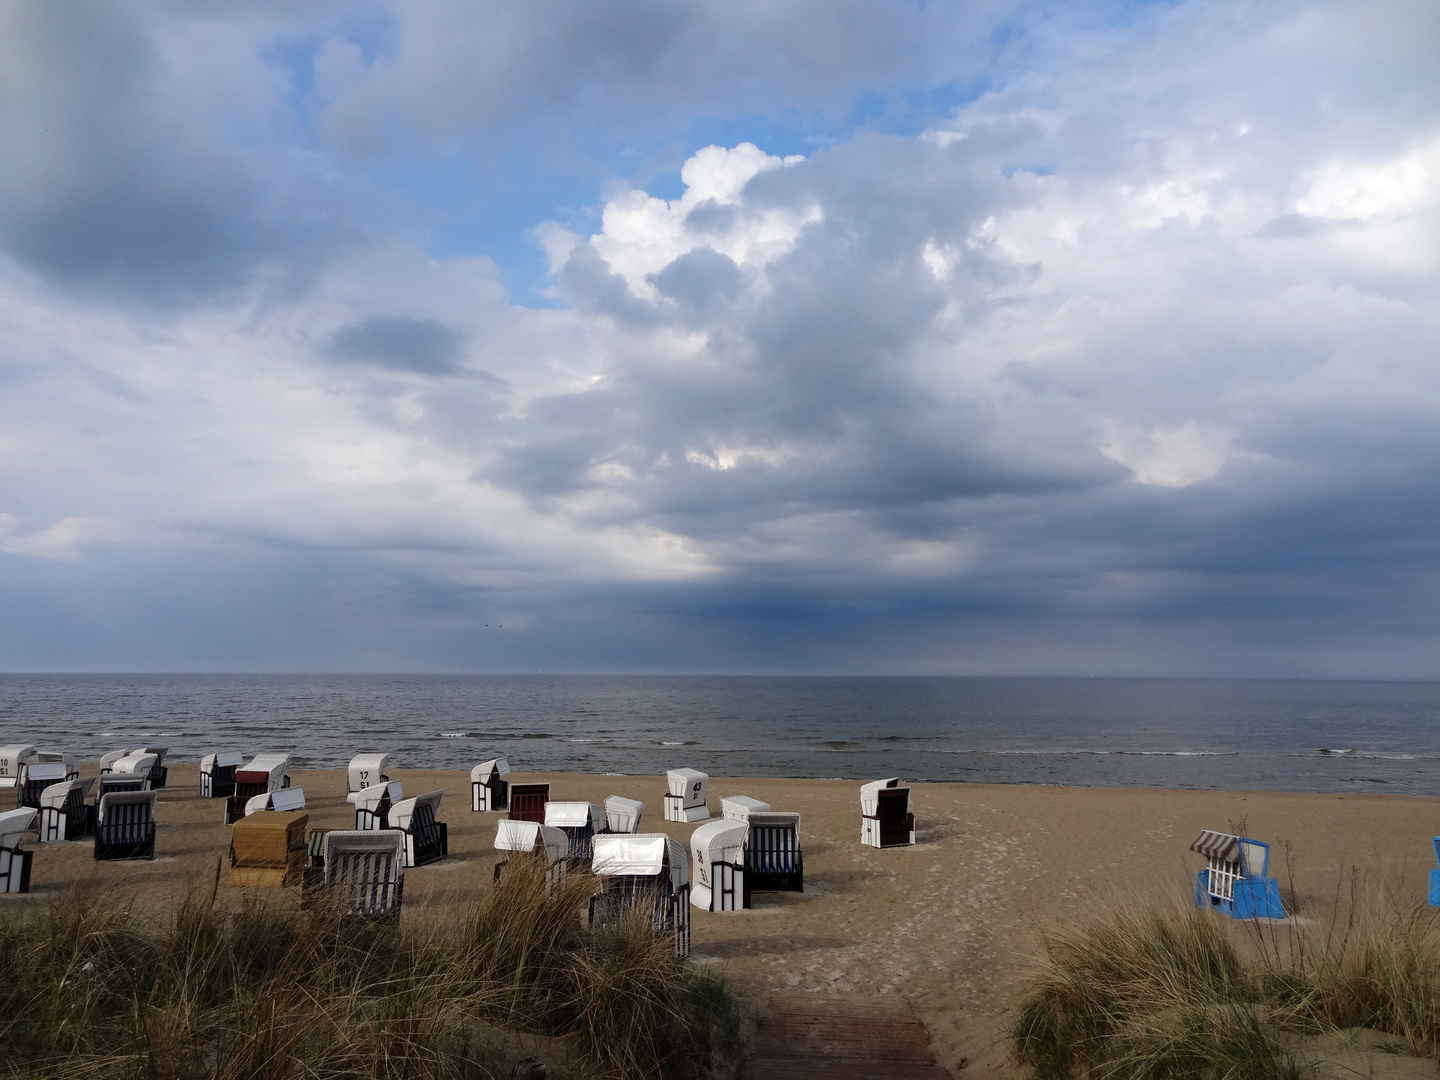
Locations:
(646, 872)
(365, 872)
(717, 851)
(580, 822)
(489, 790)
(372, 805)
(125, 825)
(14, 862)
(1236, 877)
(37, 776)
(427, 840)
(774, 861)
(64, 814)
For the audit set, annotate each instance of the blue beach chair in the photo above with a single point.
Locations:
(1235, 879)
(1434, 897)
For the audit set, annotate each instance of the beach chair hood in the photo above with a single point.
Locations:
(623, 815)
(367, 770)
(136, 762)
(12, 757)
(486, 769)
(740, 807)
(870, 793)
(687, 784)
(371, 797)
(524, 835)
(640, 855)
(574, 815)
(14, 824)
(722, 840)
(338, 842)
(112, 800)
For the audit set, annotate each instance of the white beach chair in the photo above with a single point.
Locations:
(36, 776)
(717, 851)
(15, 863)
(366, 770)
(579, 821)
(774, 861)
(738, 807)
(286, 800)
(108, 759)
(12, 758)
(426, 839)
(64, 814)
(365, 872)
(1235, 879)
(685, 801)
(125, 825)
(645, 871)
(623, 815)
(372, 805)
(885, 818)
(532, 837)
(488, 787)
(217, 774)
(262, 774)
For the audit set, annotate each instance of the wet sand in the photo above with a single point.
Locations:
(949, 923)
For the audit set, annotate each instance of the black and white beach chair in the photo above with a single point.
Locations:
(372, 805)
(717, 851)
(427, 840)
(527, 802)
(774, 861)
(217, 774)
(366, 770)
(125, 825)
(364, 872)
(64, 813)
(531, 837)
(149, 759)
(488, 788)
(36, 776)
(136, 771)
(885, 817)
(12, 759)
(685, 801)
(738, 807)
(15, 863)
(646, 872)
(287, 800)
(262, 774)
(623, 815)
(1235, 879)
(579, 821)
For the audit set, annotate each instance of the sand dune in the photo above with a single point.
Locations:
(948, 923)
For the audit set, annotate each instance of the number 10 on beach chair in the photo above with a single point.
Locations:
(885, 818)
(1234, 879)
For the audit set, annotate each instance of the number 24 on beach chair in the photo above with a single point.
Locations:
(1235, 877)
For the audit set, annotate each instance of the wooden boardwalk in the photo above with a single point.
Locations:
(810, 1037)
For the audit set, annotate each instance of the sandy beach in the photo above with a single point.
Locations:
(949, 923)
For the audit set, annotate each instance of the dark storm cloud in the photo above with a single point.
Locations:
(111, 183)
(423, 346)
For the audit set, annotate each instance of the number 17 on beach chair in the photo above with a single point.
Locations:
(1235, 877)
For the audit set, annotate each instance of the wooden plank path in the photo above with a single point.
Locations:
(810, 1037)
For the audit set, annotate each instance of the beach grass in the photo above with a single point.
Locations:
(274, 992)
(1167, 993)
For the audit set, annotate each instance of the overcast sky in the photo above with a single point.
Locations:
(858, 336)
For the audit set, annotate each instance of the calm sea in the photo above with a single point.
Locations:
(1292, 736)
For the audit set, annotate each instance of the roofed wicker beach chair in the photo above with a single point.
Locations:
(426, 839)
(579, 821)
(217, 774)
(267, 849)
(717, 851)
(774, 861)
(527, 802)
(738, 807)
(1434, 896)
(885, 818)
(260, 775)
(125, 825)
(1235, 879)
(488, 787)
(372, 805)
(531, 837)
(364, 872)
(685, 801)
(15, 863)
(36, 776)
(64, 813)
(12, 758)
(287, 800)
(149, 759)
(366, 770)
(646, 872)
(623, 815)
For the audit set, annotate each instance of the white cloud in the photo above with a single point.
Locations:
(60, 541)
(1173, 456)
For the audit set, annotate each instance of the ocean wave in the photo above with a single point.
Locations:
(452, 734)
(1096, 753)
